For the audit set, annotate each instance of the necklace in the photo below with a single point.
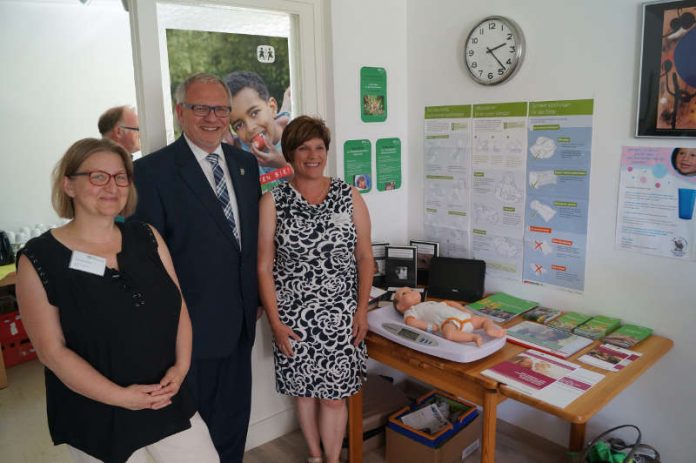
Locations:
(309, 195)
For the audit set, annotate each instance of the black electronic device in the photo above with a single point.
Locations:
(6, 254)
(455, 278)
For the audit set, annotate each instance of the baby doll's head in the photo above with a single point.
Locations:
(405, 298)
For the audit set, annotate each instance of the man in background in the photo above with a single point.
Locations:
(121, 125)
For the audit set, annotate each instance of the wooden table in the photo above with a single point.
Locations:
(581, 410)
(465, 380)
(461, 379)
(9, 279)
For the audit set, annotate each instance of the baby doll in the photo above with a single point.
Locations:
(448, 317)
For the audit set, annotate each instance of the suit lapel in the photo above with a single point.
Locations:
(192, 175)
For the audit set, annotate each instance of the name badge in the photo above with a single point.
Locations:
(341, 218)
(87, 263)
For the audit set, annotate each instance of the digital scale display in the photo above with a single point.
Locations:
(408, 334)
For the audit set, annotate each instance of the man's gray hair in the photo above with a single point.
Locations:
(205, 77)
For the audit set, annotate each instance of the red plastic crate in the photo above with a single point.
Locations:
(11, 327)
(17, 351)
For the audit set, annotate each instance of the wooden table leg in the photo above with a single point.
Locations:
(355, 428)
(490, 404)
(577, 437)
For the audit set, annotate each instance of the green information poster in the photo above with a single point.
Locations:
(373, 94)
(357, 164)
(388, 157)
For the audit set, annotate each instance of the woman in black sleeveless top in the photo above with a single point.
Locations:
(101, 304)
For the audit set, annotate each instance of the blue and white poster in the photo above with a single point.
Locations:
(557, 192)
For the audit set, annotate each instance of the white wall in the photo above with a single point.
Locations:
(63, 65)
(369, 33)
(587, 49)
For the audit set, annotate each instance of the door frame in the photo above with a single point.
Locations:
(309, 67)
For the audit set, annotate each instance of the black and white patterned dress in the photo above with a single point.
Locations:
(316, 289)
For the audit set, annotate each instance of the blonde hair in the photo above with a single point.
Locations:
(70, 163)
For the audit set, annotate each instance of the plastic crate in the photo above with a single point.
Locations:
(11, 327)
(17, 351)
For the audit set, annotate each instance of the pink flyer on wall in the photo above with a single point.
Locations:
(656, 201)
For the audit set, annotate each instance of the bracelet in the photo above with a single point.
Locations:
(430, 328)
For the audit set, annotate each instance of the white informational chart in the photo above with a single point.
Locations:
(508, 183)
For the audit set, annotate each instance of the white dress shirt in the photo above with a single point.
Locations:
(207, 168)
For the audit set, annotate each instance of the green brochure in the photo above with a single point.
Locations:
(357, 164)
(373, 94)
(388, 158)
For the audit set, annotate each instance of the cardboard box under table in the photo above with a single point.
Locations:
(451, 444)
(380, 399)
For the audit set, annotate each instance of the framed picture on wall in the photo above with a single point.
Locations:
(667, 89)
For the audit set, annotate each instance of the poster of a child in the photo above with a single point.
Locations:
(259, 87)
(255, 121)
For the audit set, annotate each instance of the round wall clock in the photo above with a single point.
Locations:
(494, 50)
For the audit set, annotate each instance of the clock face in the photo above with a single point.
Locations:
(494, 50)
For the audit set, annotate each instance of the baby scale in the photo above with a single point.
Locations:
(387, 322)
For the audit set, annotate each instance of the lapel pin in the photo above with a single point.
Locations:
(241, 171)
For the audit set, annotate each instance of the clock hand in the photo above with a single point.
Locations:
(495, 48)
(488, 50)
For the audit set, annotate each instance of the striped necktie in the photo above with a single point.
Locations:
(222, 194)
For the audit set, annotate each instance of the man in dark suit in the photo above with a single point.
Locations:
(206, 208)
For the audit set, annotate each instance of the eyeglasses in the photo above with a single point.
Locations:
(137, 129)
(101, 178)
(203, 110)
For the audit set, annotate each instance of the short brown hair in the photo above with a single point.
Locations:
(70, 163)
(110, 119)
(301, 129)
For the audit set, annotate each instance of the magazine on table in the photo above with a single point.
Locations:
(628, 335)
(544, 338)
(610, 357)
(569, 321)
(501, 307)
(542, 314)
(544, 377)
(376, 295)
(597, 327)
